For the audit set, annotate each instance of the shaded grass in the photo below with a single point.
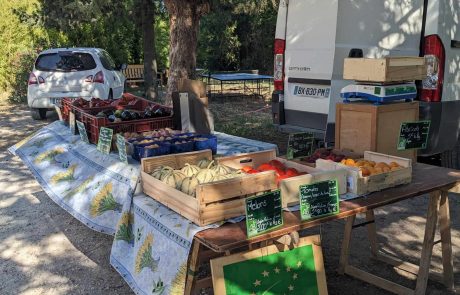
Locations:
(248, 117)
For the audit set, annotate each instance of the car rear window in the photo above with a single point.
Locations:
(65, 62)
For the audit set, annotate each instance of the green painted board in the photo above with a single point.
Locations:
(319, 199)
(121, 146)
(290, 272)
(105, 140)
(263, 213)
(413, 135)
(82, 131)
(300, 145)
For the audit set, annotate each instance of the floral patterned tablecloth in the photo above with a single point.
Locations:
(151, 242)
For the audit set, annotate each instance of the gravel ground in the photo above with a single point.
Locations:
(44, 250)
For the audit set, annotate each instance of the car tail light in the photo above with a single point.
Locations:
(278, 73)
(32, 79)
(89, 79)
(99, 77)
(435, 56)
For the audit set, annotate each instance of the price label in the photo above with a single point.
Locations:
(82, 131)
(300, 145)
(319, 199)
(121, 146)
(263, 213)
(413, 135)
(105, 140)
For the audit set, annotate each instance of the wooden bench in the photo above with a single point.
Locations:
(134, 73)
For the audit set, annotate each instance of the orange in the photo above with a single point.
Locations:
(394, 164)
(350, 162)
(365, 172)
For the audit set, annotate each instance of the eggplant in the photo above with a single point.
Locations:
(126, 115)
(111, 118)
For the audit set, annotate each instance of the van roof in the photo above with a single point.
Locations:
(80, 49)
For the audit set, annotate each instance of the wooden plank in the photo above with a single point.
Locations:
(406, 266)
(249, 159)
(446, 240)
(235, 187)
(377, 281)
(192, 268)
(428, 242)
(372, 232)
(345, 250)
(222, 211)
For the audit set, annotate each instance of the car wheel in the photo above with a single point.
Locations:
(110, 94)
(38, 114)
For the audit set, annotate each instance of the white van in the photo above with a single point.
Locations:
(314, 36)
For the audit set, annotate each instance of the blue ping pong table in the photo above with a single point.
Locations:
(234, 83)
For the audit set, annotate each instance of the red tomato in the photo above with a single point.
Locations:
(279, 178)
(265, 167)
(246, 168)
(276, 163)
(252, 171)
(291, 172)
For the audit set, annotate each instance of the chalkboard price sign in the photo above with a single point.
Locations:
(413, 135)
(105, 140)
(121, 146)
(82, 131)
(300, 145)
(263, 213)
(319, 199)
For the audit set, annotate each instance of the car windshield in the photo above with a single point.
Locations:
(107, 61)
(65, 62)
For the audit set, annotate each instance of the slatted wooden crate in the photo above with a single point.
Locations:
(215, 201)
(385, 70)
(290, 186)
(359, 185)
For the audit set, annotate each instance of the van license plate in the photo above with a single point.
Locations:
(311, 91)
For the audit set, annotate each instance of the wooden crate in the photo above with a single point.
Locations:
(290, 186)
(215, 201)
(359, 185)
(384, 70)
(363, 127)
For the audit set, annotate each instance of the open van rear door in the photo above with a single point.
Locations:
(310, 49)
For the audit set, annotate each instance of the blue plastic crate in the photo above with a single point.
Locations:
(182, 147)
(209, 144)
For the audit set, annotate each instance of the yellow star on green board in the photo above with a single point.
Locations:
(265, 273)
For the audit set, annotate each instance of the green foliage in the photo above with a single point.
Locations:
(29, 26)
(238, 34)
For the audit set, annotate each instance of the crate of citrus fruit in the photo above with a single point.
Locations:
(373, 173)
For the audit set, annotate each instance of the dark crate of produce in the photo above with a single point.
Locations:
(145, 116)
(80, 105)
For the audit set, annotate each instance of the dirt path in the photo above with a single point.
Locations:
(44, 250)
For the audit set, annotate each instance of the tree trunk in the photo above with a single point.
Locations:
(150, 62)
(184, 21)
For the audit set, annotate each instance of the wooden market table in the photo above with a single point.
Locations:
(432, 180)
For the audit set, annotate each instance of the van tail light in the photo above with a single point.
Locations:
(89, 79)
(32, 79)
(435, 57)
(99, 77)
(278, 73)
